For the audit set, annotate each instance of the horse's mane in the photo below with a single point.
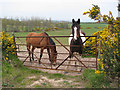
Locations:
(51, 41)
(82, 32)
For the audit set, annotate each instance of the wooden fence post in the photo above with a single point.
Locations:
(14, 43)
(99, 48)
(96, 53)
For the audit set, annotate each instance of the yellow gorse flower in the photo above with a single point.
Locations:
(98, 72)
(7, 44)
(6, 58)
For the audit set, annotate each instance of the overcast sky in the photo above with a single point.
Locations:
(55, 9)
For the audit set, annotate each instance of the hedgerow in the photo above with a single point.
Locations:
(109, 38)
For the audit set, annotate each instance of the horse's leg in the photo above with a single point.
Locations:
(33, 48)
(79, 62)
(49, 54)
(69, 62)
(76, 64)
(41, 54)
(48, 50)
(28, 48)
(71, 55)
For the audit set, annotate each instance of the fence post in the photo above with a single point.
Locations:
(14, 43)
(96, 53)
(99, 49)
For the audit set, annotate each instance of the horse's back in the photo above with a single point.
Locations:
(37, 41)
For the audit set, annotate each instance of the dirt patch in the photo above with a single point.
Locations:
(32, 77)
(61, 83)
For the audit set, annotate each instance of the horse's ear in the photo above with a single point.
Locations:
(78, 21)
(73, 21)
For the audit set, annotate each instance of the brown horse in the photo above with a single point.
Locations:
(43, 43)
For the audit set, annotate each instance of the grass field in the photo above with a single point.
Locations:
(89, 29)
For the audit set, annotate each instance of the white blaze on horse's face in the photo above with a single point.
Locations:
(75, 33)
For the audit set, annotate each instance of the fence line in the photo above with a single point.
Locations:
(50, 36)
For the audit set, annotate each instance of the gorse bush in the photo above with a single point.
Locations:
(110, 50)
(90, 46)
(109, 60)
(8, 46)
(93, 12)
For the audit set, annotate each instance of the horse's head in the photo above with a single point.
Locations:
(53, 57)
(76, 28)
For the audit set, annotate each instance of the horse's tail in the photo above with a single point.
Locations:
(28, 42)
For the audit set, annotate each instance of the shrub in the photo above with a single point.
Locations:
(109, 60)
(8, 46)
(90, 46)
(93, 12)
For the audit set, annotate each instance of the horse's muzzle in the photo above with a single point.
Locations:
(54, 64)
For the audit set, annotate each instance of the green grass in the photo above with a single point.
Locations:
(14, 73)
(93, 28)
(56, 76)
(65, 32)
(95, 80)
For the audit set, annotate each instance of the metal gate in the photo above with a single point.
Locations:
(64, 63)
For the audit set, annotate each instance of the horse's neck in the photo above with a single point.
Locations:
(53, 48)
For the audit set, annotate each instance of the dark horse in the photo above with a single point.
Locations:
(43, 43)
(76, 39)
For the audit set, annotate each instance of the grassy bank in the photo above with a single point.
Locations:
(14, 74)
